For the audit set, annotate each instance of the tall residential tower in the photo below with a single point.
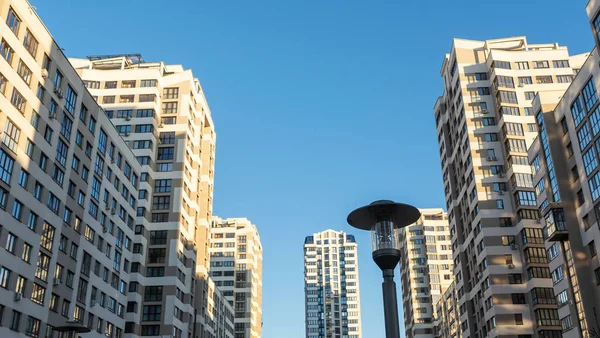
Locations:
(331, 285)
(236, 267)
(425, 270)
(485, 123)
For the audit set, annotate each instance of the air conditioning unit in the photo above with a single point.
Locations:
(161, 125)
(104, 230)
(126, 133)
(52, 116)
(113, 211)
(92, 302)
(56, 281)
(44, 73)
(112, 160)
(514, 246)
(18, 296)
(501, 192)
(58, 92)
(484, 111)
(521, 85)
(128, 118)
(511, 266)
(491, 158)
(501, 175)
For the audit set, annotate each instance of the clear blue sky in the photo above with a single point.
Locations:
(320, 106)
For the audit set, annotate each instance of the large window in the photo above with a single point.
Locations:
(70, 99)
(166, 153)
(6, 51)
(535, 255)
(6, 167)
(590, 160)
(24, 72)
(577, 110)
(547, 317)
(11, 135)
(162, 185)
(12, 21)
(508, 97)
(584, 136)
(590, 95)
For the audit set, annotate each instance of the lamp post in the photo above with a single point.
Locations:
(384, 218)
(72, 328)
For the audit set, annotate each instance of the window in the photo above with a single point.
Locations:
(543, 79)
(38, 294)
(11, 136)
(4, 277)
(53, 202)
(529, 95)
(145, 113)
(508, 97)
(171, 107)
(48, 134)
(47, 238)
(564, 78)
(522, 65)
(525, 80)
(16, 319)
(499, 204)
(152, 313)
(540, 64)
(162, 185)
(110, 84)
(3, 82)
(502, 64)
(29, 148)
(10, 243)
(166, 153)
(6, 51)
(590, 95)
(24, 72)
(6, 167)
(13, 22)
(505, 81)
(161, 202)
(590, 161)
(17, 209)
(584, 136)
(173, 93)
(108, 99)
(70, 99)
(26, 254)
(147, 97)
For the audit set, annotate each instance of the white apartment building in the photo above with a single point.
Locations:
(236, 267)
(81, 241)
(426, 270)
(162, 113)
(485, 123)
(331, 285)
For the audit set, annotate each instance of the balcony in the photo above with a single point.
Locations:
(556, 226)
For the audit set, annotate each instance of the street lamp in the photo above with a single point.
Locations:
(383, 219)
(72, 328)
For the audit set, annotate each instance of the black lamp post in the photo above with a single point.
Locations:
(383, 219)
(72, 328)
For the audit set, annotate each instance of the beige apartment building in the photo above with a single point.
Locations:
(486, 122)
(66, 252)
(447, 319)
(161, 112)
(331, 287)
(82, 239)
(236, 267)
(425, 270)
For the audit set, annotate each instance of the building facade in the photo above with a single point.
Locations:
(161, 112)
(568, 148)
(447, 318)
(236, 267)
(108, 231)
(425, 270)
(486, 122)
(331, 285)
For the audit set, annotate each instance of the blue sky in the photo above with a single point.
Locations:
(320, 106)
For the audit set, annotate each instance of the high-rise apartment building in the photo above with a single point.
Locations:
(564, 159)
(485, 123)
(331, 285)
(447, 319)
(425, 270)
(236, 267)
(81, 239)
(66, 252)
(161, 112)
